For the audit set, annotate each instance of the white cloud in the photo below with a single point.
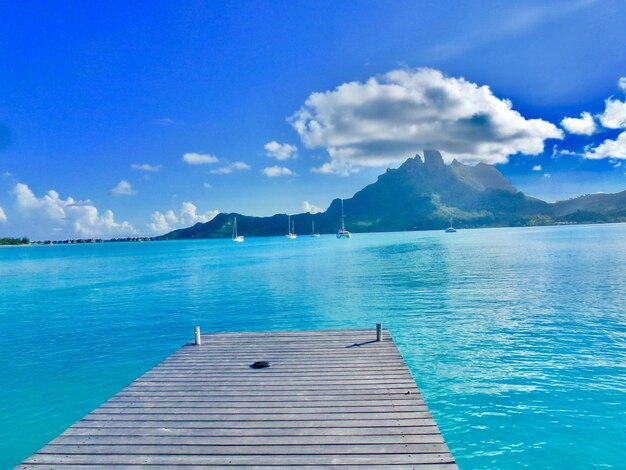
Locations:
(517, 20)
(614, 115)
(166, 122)
(193, 158)
(160, 223)
(50, 206)
(610, 149)
(547, 175)
(50, 214)
(617, 164)
(228, 169)
(275, 171)
(3, 216)
(146, 167)
(281, 151)
(240, 166)
(224, 170)
(336, 167)
(207, 185)
(389, 118)
(537, 168)
(123, 188)
(584, 125)
(557, 152)
(312, 208)
(187, 215)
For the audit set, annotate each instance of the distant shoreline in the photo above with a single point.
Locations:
(92, 241)
(14, 241)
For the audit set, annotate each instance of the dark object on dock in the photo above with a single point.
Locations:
(260, 365)
(323, 405)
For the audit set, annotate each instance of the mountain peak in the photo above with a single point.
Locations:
(433, 159)
(425, 194)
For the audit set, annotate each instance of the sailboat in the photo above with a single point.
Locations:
(342, 232)
(290, 229)
(236, 238)
(451, 228)
(313, 233)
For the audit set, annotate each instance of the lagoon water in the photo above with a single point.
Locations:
(516, 337)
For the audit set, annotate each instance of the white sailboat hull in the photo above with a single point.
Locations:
(290, 229)
(236, 238)
(342, 232)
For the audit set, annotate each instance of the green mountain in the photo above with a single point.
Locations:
(592, 208)
(426, 194)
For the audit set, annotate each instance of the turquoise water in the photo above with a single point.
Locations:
(517, 337)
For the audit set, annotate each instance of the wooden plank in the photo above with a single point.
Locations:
(386, 348)
(362, 341)
(157, 415)
(36, 466)
(253, 396)
(201, 376)
(233, 372)
(245, 460)
(282, 383)
(154, 386)
(321, 357)
(247, 440)
(337, 466)
(303, 423)
(335, 399)
(239, 449)
(359, 362)
(255, 402)
(240, 371)
(273, 377)
(219, 431)
(259, 407)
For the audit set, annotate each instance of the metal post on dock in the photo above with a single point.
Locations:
(198, 339)
(379, 332)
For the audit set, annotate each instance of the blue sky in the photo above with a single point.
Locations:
(101, 101)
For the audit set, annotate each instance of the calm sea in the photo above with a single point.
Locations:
(517, 337)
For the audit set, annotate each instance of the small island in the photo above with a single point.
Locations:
(14, 241)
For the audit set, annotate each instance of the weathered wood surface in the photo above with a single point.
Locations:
(331, 399)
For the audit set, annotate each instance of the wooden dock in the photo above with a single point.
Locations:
(330, 399)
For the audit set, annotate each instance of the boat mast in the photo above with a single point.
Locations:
(343, 225)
